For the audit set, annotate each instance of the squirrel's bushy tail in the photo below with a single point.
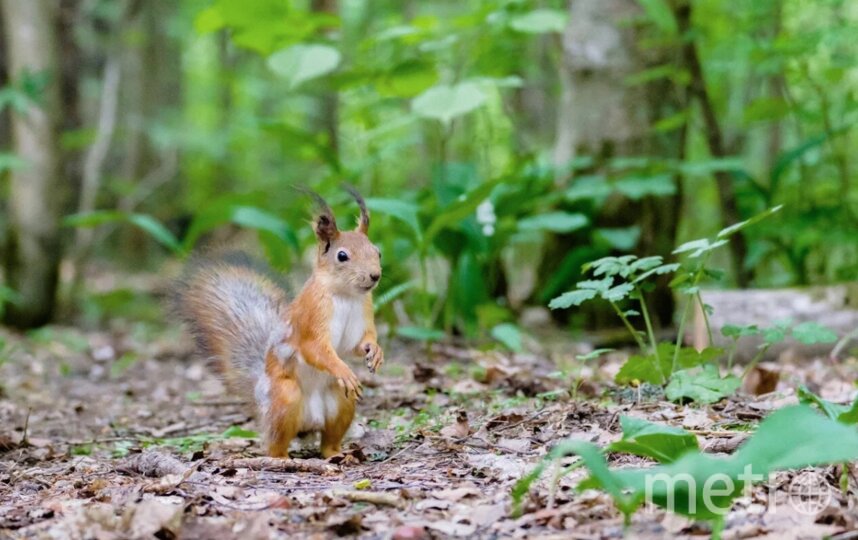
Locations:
(236, 314)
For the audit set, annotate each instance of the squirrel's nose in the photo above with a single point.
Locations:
(375, 277)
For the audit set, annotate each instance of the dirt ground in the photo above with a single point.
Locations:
(122, 434)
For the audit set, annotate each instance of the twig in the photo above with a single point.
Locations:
(282, 465)
(25, 440)
(372, 497)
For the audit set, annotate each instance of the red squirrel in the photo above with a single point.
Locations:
(288, 355)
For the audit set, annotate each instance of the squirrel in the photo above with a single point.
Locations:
(286, 355)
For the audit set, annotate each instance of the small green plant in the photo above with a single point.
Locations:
(791, 438)
(623, 281)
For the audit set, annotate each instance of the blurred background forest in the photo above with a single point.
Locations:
(501, 144)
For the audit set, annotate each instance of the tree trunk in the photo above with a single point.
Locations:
(605, 117)
(37, 190)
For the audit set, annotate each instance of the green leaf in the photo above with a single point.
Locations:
(463, 207)
(730, 330)
(623, 239)
(776, 333)
(658, 270)
(704, 386)
(659, 12)
(736, 227)
(638, 187)
(392, 294)
(847, 414)
(539, 21)
(615, 294)
(301, 63)
(572, 298)
(155, 228)
(407, 80)
(662, 443)
(709, 166)
(557, 222)
(420, 334)
(402, 210)
(244, 215)
(592, 355)
(444, 102)
(591, 188)
(236, 432)
(645, 368)
(509, 335)
(812, 332)
(791, 438)
(692, 246)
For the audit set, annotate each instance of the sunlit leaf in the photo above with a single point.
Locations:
(301, 63)
(444, 102)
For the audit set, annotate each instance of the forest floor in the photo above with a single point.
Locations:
(122, 434)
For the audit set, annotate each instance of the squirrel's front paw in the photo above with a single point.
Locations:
(373, 355)
(348, 381)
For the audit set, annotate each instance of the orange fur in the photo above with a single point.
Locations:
(291, 399)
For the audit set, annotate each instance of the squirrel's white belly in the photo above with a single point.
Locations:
(318, 387)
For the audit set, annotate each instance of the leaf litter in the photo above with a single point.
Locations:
(159, 449)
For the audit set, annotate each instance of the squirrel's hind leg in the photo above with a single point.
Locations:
(283, 412)
(337, 426)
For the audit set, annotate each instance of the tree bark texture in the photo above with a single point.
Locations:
(37, 190)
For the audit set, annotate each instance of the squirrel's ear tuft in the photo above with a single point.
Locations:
(324, 222)
(363, 221)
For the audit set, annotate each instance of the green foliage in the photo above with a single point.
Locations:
(301, 63)
(509, 335)
(847, 414)
(624, 278)
(791, 438)
(444, 102)
(145, 222)
(703, 386)
(664, 444)
(539, 21)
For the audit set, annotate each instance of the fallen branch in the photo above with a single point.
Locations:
(373, 497)
(314, 466)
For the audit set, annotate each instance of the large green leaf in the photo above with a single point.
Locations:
(652, 369)
(791, 438)
(444, 102)
(301, 63)
(847, 414)
(702, 386)
(402, 210)
(662, 443)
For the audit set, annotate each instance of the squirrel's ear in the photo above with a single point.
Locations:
(324, 222)
(363, 222)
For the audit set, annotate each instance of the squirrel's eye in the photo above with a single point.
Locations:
(342, 256)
